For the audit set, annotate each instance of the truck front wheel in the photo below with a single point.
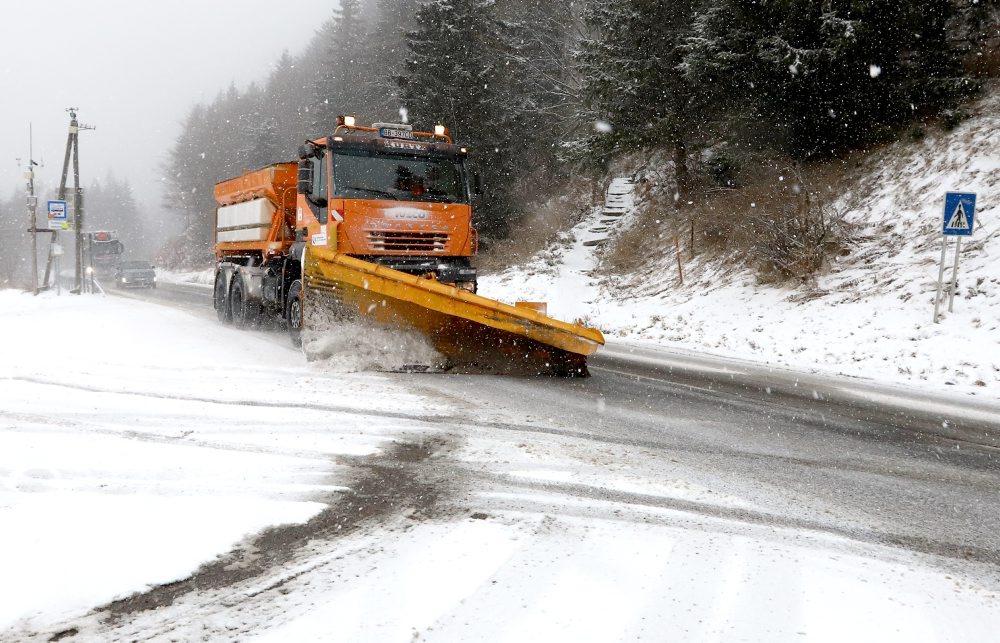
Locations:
(293, 313)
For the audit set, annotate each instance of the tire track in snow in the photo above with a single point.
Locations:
(308, 406)
(741, 515)
(387, 487)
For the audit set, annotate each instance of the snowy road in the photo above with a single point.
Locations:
(678, 498)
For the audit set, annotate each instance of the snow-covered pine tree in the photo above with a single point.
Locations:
(339, 82)
(111, 205)
(386, 55)
(975, 30)
(451, 76)
(538, 89)
(636, 90)
(827, 75)
(265, 144)
(190, 164)
(285, 105)
(937, 80)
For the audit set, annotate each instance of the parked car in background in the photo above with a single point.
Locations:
(136, 274)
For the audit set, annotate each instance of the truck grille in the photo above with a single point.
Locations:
(396, 241)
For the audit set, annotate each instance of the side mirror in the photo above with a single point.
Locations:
(477, 182)
(305, 176)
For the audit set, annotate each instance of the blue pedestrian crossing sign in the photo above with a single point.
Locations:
(959, 213)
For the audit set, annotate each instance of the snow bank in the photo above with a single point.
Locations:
(195, 277)
(870, 316)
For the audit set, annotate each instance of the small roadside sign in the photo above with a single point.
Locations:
(959, 221)
(58, 215)
(959, 213)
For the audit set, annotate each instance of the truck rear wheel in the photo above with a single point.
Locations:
(243, 312)
(221, 299)
(293, 313)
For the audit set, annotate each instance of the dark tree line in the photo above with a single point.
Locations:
(14, 260)
(541, 88)
(804, 77)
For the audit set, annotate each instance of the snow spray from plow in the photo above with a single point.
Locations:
(469, 331)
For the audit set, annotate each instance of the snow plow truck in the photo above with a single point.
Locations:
(375, 224)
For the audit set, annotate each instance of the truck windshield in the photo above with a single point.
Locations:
(367, 175)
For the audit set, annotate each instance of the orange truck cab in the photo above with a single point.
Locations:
(391, 196)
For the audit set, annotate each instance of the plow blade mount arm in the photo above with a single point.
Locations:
(469, 330)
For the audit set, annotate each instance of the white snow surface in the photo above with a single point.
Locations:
(869, 316)
(134, 447)
(137, 442)
(534, 578)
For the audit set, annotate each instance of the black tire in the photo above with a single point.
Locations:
(221, 299)
(238, 308)
(293, 313)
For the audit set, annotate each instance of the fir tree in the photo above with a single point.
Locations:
(637, 93)
(340, 83)
(827, 75)
(451, 77)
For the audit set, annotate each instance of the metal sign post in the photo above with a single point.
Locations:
(72, 152)
(57, 252)
(32, 203)
(959, 221)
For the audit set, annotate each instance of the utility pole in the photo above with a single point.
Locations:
(72, 149)
(32, 203)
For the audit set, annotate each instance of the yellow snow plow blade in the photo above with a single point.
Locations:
(469, 330)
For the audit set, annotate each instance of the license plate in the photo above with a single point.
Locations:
(389, 132)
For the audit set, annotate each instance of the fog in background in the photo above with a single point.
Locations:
(134, 70)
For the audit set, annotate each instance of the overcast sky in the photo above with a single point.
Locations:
(133, 68)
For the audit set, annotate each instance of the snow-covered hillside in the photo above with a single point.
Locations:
(869, 316)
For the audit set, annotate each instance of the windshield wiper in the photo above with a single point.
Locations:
(446, 197)
(373, 191)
